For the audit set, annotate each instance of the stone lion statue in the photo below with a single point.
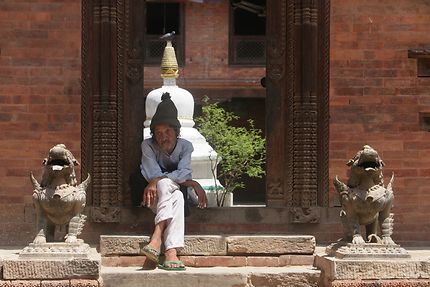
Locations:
(58, 199)
(365, 200)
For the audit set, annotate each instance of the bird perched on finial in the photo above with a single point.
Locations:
(168, 36)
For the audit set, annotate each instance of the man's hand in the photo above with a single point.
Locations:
(150, 192)
(198, 189)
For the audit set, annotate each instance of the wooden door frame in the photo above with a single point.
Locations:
(297, 103)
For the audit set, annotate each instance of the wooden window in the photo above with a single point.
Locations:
(162, 18)
(423, 60)
(425, 121)
(247, 45)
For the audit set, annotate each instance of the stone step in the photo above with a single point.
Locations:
(213, 261)
(208, 277)
(216, 245)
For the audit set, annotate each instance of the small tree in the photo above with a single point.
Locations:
(240, 150)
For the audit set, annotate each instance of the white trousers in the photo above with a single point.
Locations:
(170, 206)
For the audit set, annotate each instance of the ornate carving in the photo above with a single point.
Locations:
(102, 108)
(298, 97)
(56, 250)
(276, 43)
(369, 250)
(58, 199)
(105, 214)
(365, 200)
(276, 97)
(305, 215)
(135, 63)
(275, 190)
(323, 103)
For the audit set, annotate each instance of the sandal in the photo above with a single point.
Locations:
(172, 265)
(151, 253)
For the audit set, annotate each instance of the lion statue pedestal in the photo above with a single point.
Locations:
(366, 202)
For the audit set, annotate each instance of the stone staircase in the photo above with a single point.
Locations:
(214, 261)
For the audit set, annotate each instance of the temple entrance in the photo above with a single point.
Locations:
(297, 54)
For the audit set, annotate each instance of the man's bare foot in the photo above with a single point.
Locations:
(171, 255)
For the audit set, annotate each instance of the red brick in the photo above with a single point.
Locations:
(225, 261)
(123, 261)
(21, 283)
(55, 283)
(262, 261)
(188, 260)
(286, 260)
(84, 283)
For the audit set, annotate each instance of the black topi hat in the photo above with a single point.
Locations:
(166, 113)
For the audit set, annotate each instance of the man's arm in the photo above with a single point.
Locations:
(151, 171)
(198, 189)
(149, 166)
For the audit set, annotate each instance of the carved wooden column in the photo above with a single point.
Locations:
(111, 73)
(297, 106)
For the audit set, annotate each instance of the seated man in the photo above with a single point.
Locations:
(166, 165)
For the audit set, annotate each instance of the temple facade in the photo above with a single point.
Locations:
(322, 79)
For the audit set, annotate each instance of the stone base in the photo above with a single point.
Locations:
(44, 267)
(380, 283)
(216, 245)
(372, 269)
(368, 250)
(56, 250)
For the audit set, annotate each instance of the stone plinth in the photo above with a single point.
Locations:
(43, 266)
(372, 269)
(369, 250)
(275, 244)
(53, 250)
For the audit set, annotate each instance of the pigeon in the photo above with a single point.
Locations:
(168, 36)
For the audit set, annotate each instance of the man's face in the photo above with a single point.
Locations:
(165, 137)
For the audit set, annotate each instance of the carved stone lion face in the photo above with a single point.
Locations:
(60, 157)
(367, 160)
(59, 164)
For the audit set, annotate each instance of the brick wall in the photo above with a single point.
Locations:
(376, 97)
(206, 56)
(39, 99)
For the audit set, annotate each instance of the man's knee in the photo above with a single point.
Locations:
(178, 197)
(167, 185)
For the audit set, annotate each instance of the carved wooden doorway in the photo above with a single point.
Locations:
(296, 101)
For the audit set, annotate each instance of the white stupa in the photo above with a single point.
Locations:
(204, 155)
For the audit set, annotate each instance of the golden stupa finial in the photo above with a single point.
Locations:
(169, 65)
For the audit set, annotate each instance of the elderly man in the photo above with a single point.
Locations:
(166, 166)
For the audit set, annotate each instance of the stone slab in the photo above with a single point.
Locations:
(271, 244)
(52, 269)
(372, 269)
(380, 283)
(204, 245)
(211, 277)
(111, 245)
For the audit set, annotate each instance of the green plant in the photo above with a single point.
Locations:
(240, 150)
